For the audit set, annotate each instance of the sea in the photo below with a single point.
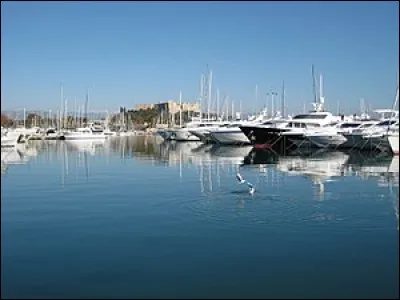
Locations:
(138, 217)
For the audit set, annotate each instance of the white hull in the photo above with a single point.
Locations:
(203, 135)
(229, 137)
(183, 134)
(10, 140)
(393, 139)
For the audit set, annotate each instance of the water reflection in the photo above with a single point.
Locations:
(320, 166)
(213, 162)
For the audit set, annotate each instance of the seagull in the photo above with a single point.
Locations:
(252, 189)
(241, 181)
(240, 178)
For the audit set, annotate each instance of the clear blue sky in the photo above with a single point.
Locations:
(145, 52)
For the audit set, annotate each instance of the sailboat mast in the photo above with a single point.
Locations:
(218, 103)
(209, 95)
(283, 99)
(86, 107)
(255, 104)
(180, 109)
(66, 115)
(232, 111)
(227, 108)
(61, 105)
(201, 95)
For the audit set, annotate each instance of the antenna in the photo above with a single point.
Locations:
(314, 84)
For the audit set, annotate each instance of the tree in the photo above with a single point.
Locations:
(6, 121)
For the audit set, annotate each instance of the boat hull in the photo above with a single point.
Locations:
(394, 143)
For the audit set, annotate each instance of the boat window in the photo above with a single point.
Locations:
(386, 123)
(316, 116)
(349, 125)
(313, 125)
(366, 125)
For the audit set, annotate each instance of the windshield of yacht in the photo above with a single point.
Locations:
(311, 116)
(367, 125)
(386, 123)
(350, 125)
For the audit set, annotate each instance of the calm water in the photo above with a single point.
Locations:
(133, 217)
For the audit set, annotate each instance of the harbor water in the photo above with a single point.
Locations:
(135, 217)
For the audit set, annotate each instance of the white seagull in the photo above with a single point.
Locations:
(252, 189)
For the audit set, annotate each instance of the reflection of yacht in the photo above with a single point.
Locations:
(88, 146)
(319, 167)
(233, 154)
(13, 156)
(20, 154)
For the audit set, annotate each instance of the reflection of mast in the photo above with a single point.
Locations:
(63, 166)
(180, 164)
(201, 176)
(85, 160)
(209, 178)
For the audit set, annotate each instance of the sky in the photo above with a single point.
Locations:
(126, 53)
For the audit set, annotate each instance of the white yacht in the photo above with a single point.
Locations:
(10, 138)
(184, 133)
(300, 125)
(91, 132)
(331, 136)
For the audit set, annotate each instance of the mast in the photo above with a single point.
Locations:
(202, 80)
(66, 115)
(321, 94)
(75, 116)
(180, 109)
(227, 108)
(283, 99)
(255, 104)
(232, 110)
(61, 106)
(218, 104)
(209, 95)
(240, 108)
(86, 107)
(272, 102)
